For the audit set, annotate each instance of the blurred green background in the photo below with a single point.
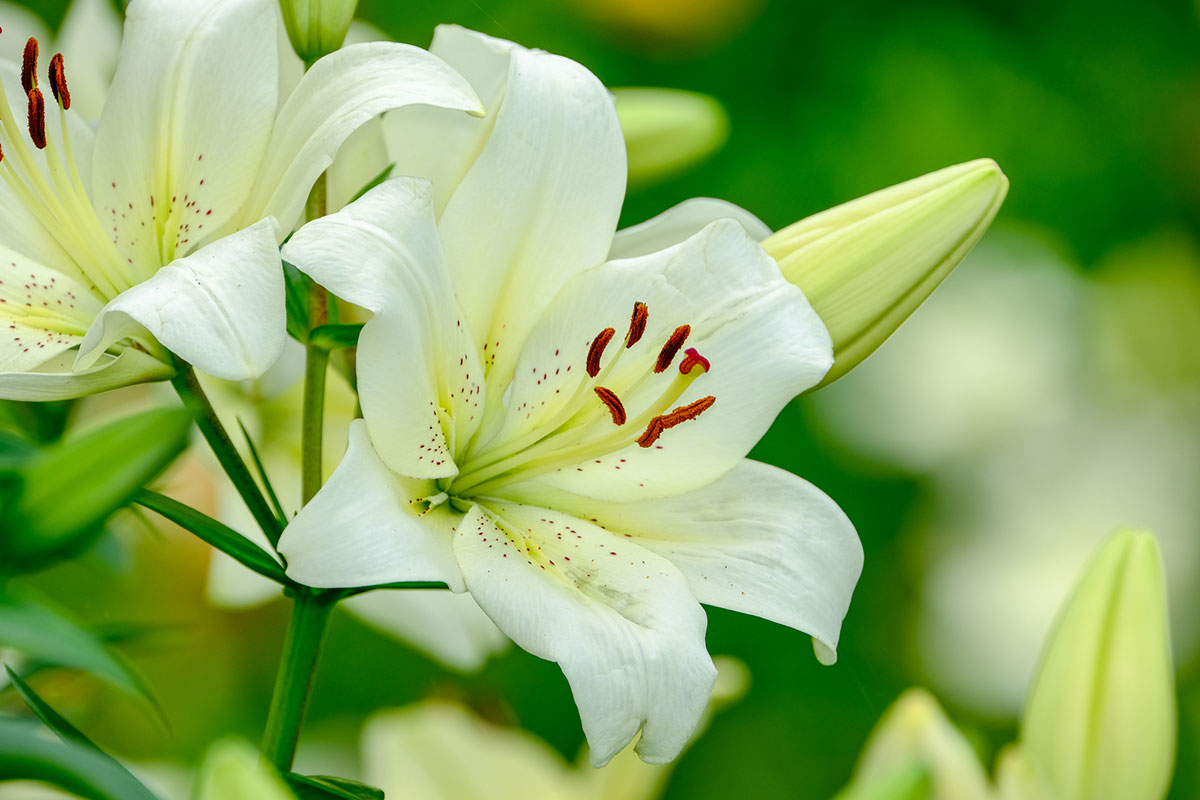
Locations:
(1091, 108)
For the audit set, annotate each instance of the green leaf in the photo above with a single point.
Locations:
(353, 590)
(36, 628)
(296, 285)
(334, 337)
(220, 536)
(25, 754)
(378, 179)
(324, 787)
(70, 489)
(49, 717)
(276, 506)
(42, 422)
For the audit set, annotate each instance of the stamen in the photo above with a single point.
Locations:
(597, 350)
(37, 118)
(58, 82)
(674, 342)
(691, 360)
(676, 416)
(637, 324)
(29, 66)
(615, 406)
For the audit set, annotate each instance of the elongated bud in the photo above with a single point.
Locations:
(1099, 722)
(915, 745)
(866, 265)
(317, 28)
(668, 131)
(231, 772)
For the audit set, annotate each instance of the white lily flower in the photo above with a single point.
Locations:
(160, 231)
(589, 487)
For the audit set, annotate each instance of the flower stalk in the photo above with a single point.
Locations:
(293, 685)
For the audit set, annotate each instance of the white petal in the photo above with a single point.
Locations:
(681, 222)
(55, 380)
(42, 312)
(758, 540)
(420, 380)
(619, 620)
(540, 202)
(341, 92)
(220, 308)
(90, 39)
(450, 627)
(361, 528)
(436, 143)
(764, 342)
(186, 124)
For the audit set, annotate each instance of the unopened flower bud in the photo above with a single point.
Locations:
(317, 28)
(668, 131)
(866, 265)
(1100, 720)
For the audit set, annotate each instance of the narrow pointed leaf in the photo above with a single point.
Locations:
(280, 515)
(49, 717)
(324, 787)
(378, 179)
(36, 628)
(296, 301)
(220, 536)
(27, 755)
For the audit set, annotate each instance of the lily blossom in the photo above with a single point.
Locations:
(564, 435)
(159, 233)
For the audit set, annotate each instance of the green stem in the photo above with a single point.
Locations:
(297, 667)
(316, 362)
(196, 402)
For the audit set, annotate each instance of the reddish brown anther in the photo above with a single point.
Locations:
(37, 119)
(58, 81)
(615, 406)
(674, 342)
(637, 324)
(29, 66)
(597, 350)
(652, 432)
(691, 360)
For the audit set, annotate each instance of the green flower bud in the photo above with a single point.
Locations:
(231, 772)
(916, 751)
(866, 265)
(317, 27)
(667, 131)
(1100, 718)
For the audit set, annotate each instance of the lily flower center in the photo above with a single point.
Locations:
(38, 163)
(598, 419)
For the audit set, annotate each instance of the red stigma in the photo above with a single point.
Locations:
(29, 65)
(58, 81)
(597, 350)
(37, 119)
(691, 360)
(637, 324)
(614, 404)
(674, 342)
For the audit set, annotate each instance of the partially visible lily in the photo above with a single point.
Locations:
(668, 130)
(1100, 719)
(158, 234)
(558, 423)
(867, 265)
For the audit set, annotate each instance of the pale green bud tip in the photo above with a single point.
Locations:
(866, 265)
(668, 130)
(317, 27)
(914, 734)
(1100, 722)
(231, 772)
